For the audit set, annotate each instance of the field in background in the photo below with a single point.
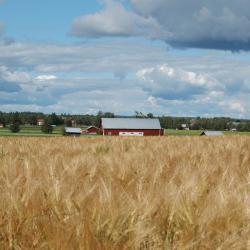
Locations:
(32, 131)
(198, 132)
(36, 131)
(125, 193)
(29, 131)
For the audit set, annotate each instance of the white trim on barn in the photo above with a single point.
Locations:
(131, 134)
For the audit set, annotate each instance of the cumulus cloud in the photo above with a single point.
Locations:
(173, 84)
(10, 80)
(201, 24)
(222, 25)
(115, 20)
(205, 92)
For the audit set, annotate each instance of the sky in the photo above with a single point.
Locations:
(166, 57)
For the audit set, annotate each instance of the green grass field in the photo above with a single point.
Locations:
(29, 131)
(36, 131)
(173, 132)
(182, 132)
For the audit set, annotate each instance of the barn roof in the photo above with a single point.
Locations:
(212, 133)
(92, 127)
(73, 130)
(130, 123)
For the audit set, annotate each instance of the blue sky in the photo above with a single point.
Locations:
(45, 20)
(165, 57)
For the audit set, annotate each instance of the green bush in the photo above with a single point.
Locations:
(15, 127)
(47, 128)
(63, 131)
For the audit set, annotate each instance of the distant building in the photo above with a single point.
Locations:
(184, 127)
(40, 122)
(73, 131)
(1, 125)
(131, 127)
(211, 133)
(91, 130)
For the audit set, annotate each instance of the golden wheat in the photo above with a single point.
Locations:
(125, 193)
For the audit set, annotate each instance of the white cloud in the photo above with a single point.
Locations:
(46, 78)
(175, 83)
(119, 77)
(153, 101)
(116, 57)
(10, 81)
(13, 76)
(233, 105)
(115, 20)
(202, 92)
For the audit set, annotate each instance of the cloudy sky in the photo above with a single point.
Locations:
(168, 57)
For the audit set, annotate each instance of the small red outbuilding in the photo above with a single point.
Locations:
(92, 130)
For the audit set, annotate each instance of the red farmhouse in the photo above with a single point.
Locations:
(131, 127)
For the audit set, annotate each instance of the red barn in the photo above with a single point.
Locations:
(92, 130)
(131, 127)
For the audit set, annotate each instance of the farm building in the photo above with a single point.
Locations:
(40, 122)
(184, 127)
(91, 130)
(73, 131)
(211, 133)
(131, 127)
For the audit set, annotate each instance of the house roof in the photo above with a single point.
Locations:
(130, 123)
(212, 133)
(73, 130)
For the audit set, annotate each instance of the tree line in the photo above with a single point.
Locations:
(13, 119)
(31, 118)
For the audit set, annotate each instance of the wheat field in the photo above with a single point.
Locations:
(125, 193)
